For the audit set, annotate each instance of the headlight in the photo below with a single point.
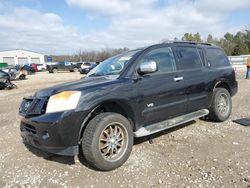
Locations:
(65, 100)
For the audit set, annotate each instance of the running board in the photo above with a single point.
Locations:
(157, 127)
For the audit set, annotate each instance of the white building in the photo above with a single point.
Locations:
(238, 60)
(13, 57)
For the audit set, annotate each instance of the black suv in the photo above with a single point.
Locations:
(134, 94)
(63, 66)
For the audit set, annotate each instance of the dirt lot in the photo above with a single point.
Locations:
(200, 154)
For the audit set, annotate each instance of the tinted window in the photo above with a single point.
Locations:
(189, 58)
(216, 57)
(163, 57)
(67, 63)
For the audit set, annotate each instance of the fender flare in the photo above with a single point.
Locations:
(222, 82)
(86, 119)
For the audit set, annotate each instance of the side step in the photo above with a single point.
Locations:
(157, 127)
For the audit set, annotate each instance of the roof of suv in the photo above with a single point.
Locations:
(186, 43)
(193, 43)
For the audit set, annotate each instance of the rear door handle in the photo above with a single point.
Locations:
(177, 79)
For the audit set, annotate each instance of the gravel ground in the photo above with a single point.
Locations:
(199, 154)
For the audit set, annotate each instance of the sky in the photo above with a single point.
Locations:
(67, 26)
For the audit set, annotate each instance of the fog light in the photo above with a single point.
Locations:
(45, 135)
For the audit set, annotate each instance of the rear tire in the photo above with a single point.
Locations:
(107, 141)
(221, 107)
(2, 85)
(75, 69)
(54, 70)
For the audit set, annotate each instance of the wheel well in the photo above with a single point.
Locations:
(110, 106)
(223, 85)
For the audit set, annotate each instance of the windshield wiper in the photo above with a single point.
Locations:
(111, 73)
(96, 74)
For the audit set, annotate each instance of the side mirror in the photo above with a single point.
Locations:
(147, 67)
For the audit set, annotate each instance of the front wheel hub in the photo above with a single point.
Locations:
(223, 104)
(113, 141)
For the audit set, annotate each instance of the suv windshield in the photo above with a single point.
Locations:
(113, 65)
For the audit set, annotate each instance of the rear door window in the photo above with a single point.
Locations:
(189, 58)
(216, 57)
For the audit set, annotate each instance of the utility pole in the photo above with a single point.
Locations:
(80, 55)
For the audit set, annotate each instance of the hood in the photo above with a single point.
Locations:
(80, 85)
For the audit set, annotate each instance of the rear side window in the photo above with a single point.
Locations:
(189, 58)
(164, 59)
(216, 57)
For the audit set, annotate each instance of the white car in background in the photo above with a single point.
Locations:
(41, 67)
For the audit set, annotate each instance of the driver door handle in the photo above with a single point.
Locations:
(177, 79)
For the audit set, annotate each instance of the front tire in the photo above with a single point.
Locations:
(107, 141)
(221, 105)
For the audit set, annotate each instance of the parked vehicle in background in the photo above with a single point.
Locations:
(15, 72)
(61, 66)
(77, 64)
(34, 66)
(5, 82)
(133, 94)
(22, 74)
(41, 67)
(12, 71)
(87, 66)
(30, 70)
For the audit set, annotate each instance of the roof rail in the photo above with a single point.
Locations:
(194, 42)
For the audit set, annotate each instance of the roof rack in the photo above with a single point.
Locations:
(194, 42)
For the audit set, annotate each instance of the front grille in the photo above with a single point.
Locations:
(33, 106)
(28, 128)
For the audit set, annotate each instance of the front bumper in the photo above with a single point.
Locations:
(56, 133)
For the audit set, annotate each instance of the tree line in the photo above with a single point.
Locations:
(89, 56)
(233, 44)
(238, 44)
